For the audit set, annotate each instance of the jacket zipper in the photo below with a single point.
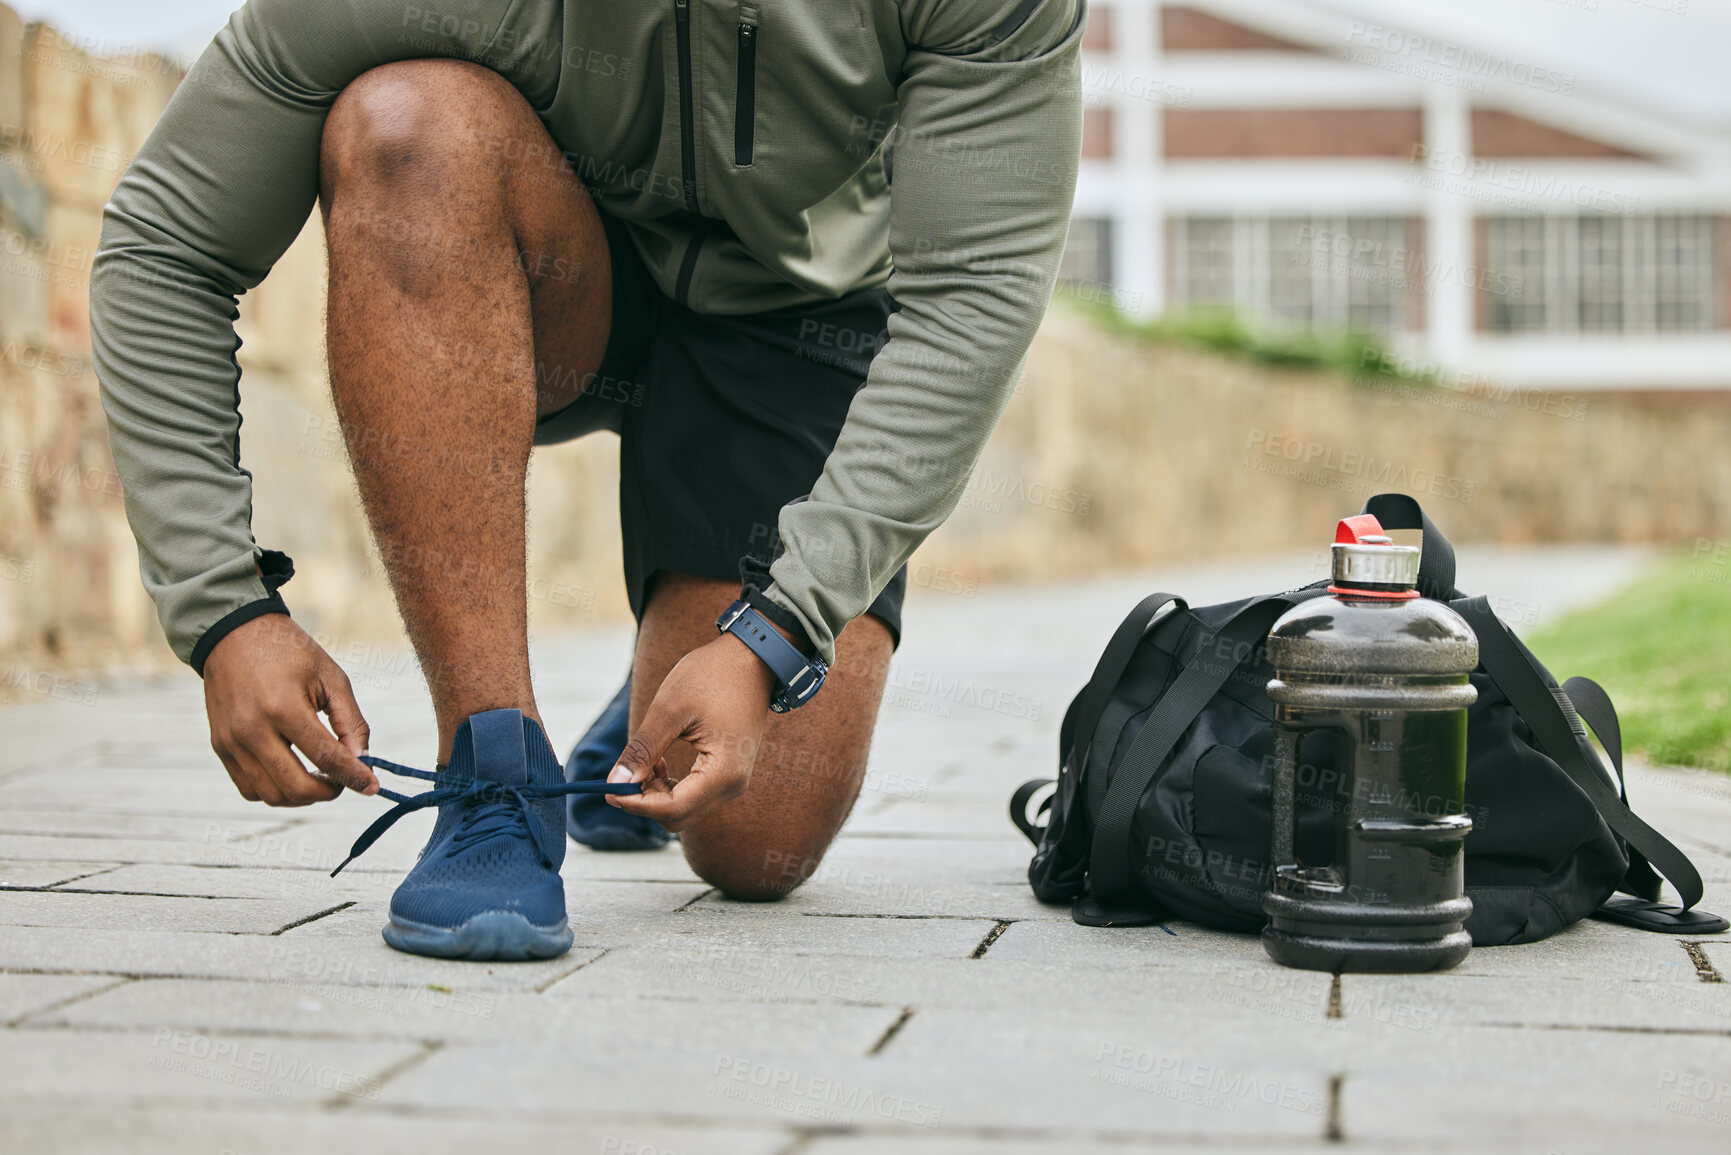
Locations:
(745, 103)
(687, 147)
(687, 131)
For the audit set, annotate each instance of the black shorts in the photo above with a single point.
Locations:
(722, 421)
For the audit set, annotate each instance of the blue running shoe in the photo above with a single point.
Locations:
(588, 818)
(487, 883)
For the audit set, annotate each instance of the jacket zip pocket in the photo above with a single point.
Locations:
(745, 102)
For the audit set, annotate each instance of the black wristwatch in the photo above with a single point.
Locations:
(798, 675)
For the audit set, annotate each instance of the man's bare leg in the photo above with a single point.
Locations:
(809, 765)
(437, 337)
(436, 331)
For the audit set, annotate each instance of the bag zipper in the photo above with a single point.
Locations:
(745, 103)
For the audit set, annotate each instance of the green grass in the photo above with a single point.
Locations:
(1663, 651)
(1352, 355)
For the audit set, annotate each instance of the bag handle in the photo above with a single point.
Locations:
(1110, 878)
(1549, 713)
(1019, 807)
(1436, 560)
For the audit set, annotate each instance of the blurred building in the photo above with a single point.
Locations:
(1488, 213)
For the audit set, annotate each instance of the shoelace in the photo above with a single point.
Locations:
(494, 807)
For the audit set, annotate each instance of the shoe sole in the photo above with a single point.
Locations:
(495, 935)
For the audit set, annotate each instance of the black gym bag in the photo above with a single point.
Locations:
(1161, 805)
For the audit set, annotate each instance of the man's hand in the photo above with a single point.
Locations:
(716, 698)
(265, 685)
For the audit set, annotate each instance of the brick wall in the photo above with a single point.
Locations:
(1096, 133)
(1192, 133)
(1097, 32)
(1506, 134)
(1193, 30)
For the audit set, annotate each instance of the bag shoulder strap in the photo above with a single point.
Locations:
(1109, 670)
(1549, 713)
(1595, 708)
(1109, 872)
(1076, 733)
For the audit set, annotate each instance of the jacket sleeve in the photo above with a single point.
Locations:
(985, 155)
(220, 189)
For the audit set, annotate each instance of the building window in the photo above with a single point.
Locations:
(1682, 273)
(1321, 273)
(1600, 261)
(1291, 272)
(1599, 273)
(1515, 273)
(1206, 263)
(1087, 264)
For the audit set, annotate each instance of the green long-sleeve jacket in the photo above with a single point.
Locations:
(768, 115)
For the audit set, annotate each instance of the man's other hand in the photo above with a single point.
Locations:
(265, 685)
(717, 699)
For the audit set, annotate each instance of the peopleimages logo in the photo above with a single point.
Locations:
(1117, 1063)
(252, 1066)
(816, 1096)
(1315, 462)
(1513, 184)
(1406, 52)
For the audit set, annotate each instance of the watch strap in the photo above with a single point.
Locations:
(799, 676)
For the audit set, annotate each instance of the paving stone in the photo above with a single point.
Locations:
(944, 819)
(315, 890)
(99, 825)
(1589, 950)
(932, 861)
(361, 959)
(431, 1013)
(267, 1130)
(288, 851)
(839, 889)
(1246, 996)
(33, 874)
(896, 1098)
(1080, 1142)
(1541, 1002)
(164, 1065)
(664, 865)
(1576, 1090)
(1061, 941)
(71, 909)
(25, 995)
(757, 927)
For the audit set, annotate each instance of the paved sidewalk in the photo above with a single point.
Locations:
(178, 974)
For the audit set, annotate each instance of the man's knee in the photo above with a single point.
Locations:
(755, 874)
(399, 124)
